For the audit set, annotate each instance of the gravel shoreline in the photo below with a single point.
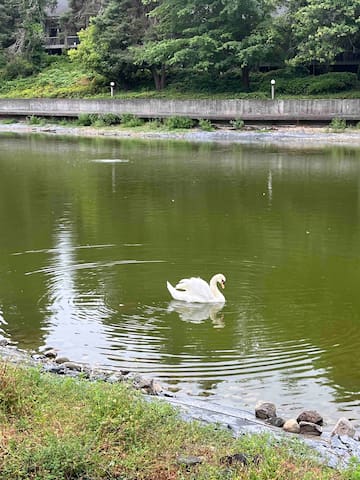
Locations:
(286, 136)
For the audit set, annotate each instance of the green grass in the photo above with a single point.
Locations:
(55, 428)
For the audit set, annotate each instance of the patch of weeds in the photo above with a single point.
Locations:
(8, 121)
(84, 119)
(337, 124)
(175, 122)
(206, 125)
(34, 120)
(154, 124)
(237, 124)
(130, 120)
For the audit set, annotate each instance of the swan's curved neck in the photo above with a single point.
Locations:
(214, 289)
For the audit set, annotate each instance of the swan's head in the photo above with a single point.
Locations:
(220, 278)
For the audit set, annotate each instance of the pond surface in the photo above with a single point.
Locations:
(91, 229)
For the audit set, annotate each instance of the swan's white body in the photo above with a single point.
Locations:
(196, 290)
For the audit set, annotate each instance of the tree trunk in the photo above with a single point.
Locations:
(246, 77)
(159, 77)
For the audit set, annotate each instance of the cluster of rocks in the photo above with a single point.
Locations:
(60, 365)
(308, 422)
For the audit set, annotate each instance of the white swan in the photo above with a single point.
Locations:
(197, 290)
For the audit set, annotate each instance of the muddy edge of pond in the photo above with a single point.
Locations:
(281, 135)
(335, 449)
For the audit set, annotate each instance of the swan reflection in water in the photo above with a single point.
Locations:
(198, 312)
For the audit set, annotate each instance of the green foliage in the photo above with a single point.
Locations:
(238, 123)
(84, 119)
(176, 122)
(322, 29)
(60, 78)
(333, 82)
(206, 125)
(130, 120)
(34, 120)
(338, 124)
(17, 67)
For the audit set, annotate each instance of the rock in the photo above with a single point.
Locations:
(236, 458)
(72, 366)
(343, 427)
(276, 421)
(61, 359)
(149, 386)
(265, 410)
(189, 460)
(311, 416)
(310, 428)
(50, 353)
(291, 426)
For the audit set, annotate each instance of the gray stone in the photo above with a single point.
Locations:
(343, 427)
(62, 359)
(291, 426)
(50, 353)
(310, 428)
(233, 459)
(265, 410)
(72, 366)
(276, 421)
(189, 460)
(311, 416)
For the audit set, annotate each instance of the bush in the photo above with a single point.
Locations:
(17, 67)
(130, 120)
(238, 123)
(333, 82)
(84, 119)
(178, 122)
(338, 124)
(34, 120)
(110, 119)
(205, 125)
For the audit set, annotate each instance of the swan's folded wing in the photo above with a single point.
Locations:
(196, 287)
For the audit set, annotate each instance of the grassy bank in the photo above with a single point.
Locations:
(62, 428)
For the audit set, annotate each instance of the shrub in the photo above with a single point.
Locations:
(17, 67)
(238, 123)
(110, 118)
(34, 120)
(130, 120)
(333, 82)
(205, 125)
(338, 124)
(155, 123)
(178, 122)
(84, 119)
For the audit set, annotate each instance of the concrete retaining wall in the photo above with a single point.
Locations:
(257, 110)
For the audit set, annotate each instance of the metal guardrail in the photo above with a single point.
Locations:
(67, 41)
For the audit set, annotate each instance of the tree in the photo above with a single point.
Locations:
(205, 36)
(323, 29)
(105, 44)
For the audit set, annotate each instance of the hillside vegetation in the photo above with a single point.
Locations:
(62, 78)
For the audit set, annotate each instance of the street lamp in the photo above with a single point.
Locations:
(112, 85)
(272, 89)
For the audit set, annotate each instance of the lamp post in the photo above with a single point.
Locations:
(272, 89)
(112, 85)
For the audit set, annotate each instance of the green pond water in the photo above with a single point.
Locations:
(91, 229)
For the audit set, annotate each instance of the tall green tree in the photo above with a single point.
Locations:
(105, 45)
(203, 35)
(322, 29)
